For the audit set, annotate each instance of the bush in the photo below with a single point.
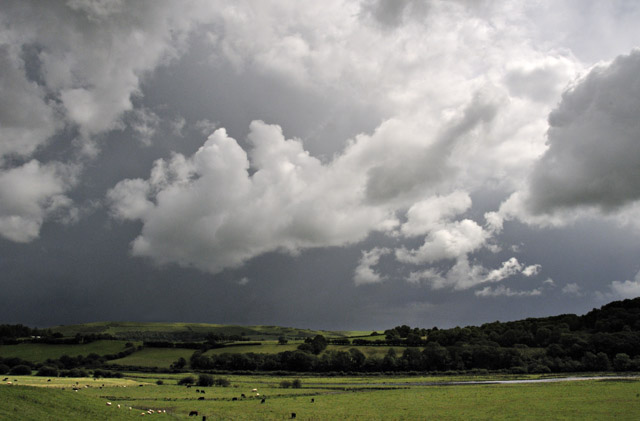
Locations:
(221, 381)
(47, 371)
(159, 382)
(296, 384)
(205, 380)
(186, 381)
(78, 372)
(21, 370)
(285, 384)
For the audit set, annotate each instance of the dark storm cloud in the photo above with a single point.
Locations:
(594, 146)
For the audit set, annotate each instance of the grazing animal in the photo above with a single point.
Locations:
(243, 396)
(293, 415)
(9, 383)
(202, 391)
(5, 379)
(197, 390)
(200, 398)
(254, 390)
(312, 400)
(189, 386)
(49, 380)
(108, 403)
(263, 400)
(118, 406)
(193, 413)
(234, 399)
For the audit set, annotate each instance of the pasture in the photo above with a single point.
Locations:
(38, 353)
(334, 398)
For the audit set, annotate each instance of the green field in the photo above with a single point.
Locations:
(341, 398)
(40, 352)
(154, 357)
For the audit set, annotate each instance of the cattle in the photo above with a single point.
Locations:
(234, 399)
(5, 379)
(263, 400)
(254, 390)
(193, 413)
(197, 390)
(293, 415)
(49, 380)
(201, 398)
(312, 400)
(202, 391)
(243, 396)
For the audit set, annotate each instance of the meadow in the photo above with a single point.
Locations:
(334, 398)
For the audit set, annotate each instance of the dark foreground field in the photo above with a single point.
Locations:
(319, 398)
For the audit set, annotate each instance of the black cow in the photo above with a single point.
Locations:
(263, 400)
(234, 399)
(293, 415)
(193, 413)
(200, 398)
(312, 400)
(243, 396)
(202, 391)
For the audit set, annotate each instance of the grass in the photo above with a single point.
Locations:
(344, 398)
(154, 357)
(35, 352)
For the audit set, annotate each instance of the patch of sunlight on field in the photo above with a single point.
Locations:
(154, 357)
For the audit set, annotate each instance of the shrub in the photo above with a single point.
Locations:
(77, 372)
(186, 380)
(47, 371)
(285, 384)
(221, 381)
(159, 382)
(21, 370)
(296, 384)
(205, 380)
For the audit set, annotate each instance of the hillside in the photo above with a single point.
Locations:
(602, 340)
(192, 332)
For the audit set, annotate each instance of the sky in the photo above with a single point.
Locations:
(327, 165)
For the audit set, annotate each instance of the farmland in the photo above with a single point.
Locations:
(357, 398)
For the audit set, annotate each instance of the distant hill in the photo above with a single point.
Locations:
(187, 332)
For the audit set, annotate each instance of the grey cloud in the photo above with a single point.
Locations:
(593, 154)
(27, 120)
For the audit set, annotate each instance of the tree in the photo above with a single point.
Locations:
(21, 370)
(205, 380)
(186, 381)
(179, 363)
(47, 371)
(282, 340)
